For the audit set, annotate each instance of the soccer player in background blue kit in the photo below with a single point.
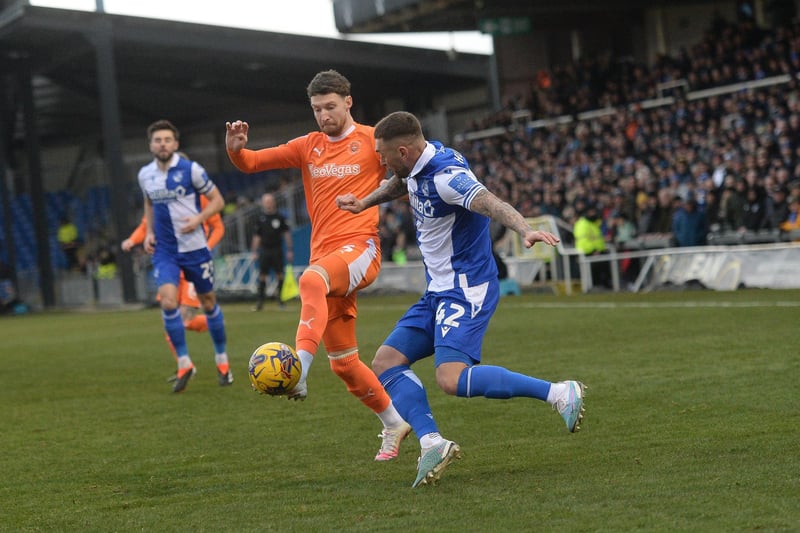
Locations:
(452, 211)
(172, 186)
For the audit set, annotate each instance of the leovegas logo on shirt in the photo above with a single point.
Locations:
(332, 170)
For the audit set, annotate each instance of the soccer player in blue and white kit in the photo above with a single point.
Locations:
(452, 211)
(172, 186)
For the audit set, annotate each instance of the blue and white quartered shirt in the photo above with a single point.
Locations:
(175, 195)
(454, 241)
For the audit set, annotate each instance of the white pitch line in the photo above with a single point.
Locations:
(505, 304)
(649, 305)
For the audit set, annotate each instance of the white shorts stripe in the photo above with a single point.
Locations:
(358, 268)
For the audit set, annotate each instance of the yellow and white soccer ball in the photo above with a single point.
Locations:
(274, 369)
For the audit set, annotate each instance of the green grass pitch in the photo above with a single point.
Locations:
(691, 425)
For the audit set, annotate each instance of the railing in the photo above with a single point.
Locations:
(716, 267)
(239, 225)
(557, 263)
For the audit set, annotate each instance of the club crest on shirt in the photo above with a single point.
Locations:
(355, 146)
(423, 188)
(177, 177)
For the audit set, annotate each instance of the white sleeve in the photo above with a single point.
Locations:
(202, 183)
(457, 186)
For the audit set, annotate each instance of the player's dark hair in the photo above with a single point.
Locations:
(162, 124)
(327, 82)
(398, 124)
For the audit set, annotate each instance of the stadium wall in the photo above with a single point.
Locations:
(78, 164)
(642, 35)
(460, 107)
(669, 29)
(769, 266)
(515, 69)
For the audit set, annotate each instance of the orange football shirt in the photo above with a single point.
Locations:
(330, 167)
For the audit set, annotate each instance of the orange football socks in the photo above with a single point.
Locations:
(361, 381)
(313, 312)
(198, 323)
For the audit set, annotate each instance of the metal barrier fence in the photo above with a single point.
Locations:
(239, 225)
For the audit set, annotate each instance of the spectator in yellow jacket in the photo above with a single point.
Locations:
(589, 240)
(588, 232)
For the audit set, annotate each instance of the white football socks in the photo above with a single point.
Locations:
(390, 417)
(430, 440)
(556, 389)
(306, 358)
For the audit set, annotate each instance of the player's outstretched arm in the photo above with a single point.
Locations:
(136, 237)
(251, 161)
(389, 190)
(214, 226)
(236, 135)
(215, 230)
(493, 207)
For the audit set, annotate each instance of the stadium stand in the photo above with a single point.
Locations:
(717, 125)
(729, 52)
(702, 144)
(729, 147)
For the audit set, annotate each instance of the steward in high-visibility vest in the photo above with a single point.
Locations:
(588, 232)
(590, 241)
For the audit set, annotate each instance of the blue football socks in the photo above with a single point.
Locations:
(173, 324)
(409, 398)
(216, 328)
(498, 382)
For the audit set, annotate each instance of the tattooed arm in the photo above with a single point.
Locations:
(493, 207)
(389, 190)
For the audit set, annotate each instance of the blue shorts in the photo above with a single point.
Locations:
(197, 266)
(449, 325)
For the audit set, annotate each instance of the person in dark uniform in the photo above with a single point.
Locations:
(271, 232)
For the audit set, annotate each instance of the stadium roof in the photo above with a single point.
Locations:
(367, 16)
(99, 77)
(199, 74)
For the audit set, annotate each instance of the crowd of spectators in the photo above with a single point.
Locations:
(672, 175)
(668, 176)
(730, 52)
(727, 163)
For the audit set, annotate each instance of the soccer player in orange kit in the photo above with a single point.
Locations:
(345, 249)
(187, 297)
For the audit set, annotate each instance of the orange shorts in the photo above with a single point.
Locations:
(186, 293)
(350, 268)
